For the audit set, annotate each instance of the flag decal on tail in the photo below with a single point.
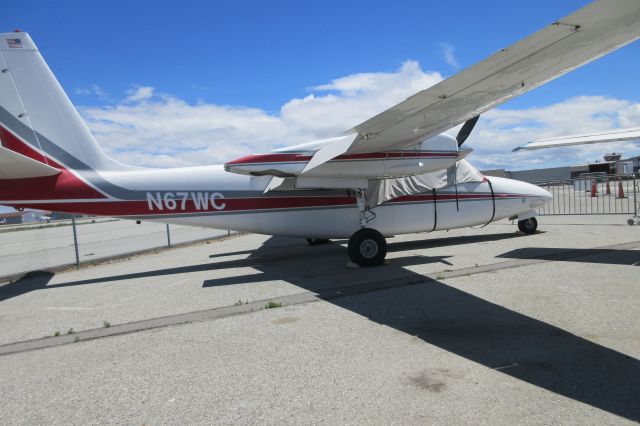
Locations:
(14, 43)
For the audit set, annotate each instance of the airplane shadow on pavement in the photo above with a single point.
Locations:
(32, 281)
(593, 255)
(286, 250)
(483, 332)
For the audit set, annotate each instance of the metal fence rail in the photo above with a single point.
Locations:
(55, 240)
(592, 195)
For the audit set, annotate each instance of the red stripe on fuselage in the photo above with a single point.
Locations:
(137, 208)
(241, 205)
(448, 196)
(62, 186)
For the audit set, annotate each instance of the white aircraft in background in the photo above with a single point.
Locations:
(395, 173)
(617, 135)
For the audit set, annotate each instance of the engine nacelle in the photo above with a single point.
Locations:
(437, 153)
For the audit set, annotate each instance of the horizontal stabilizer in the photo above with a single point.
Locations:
(17, 166)
(619, 135)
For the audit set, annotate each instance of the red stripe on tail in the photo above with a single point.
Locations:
(65, 185)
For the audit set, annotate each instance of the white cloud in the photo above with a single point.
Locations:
(448, 51)
(94, 89)
(140, 93)
(155, 129)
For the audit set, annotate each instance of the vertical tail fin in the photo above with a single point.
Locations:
(37, 118)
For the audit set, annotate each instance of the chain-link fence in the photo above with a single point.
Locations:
(38, 241)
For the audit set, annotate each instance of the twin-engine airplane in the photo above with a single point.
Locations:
(395, 173)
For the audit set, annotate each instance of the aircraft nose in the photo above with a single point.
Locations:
(540, 192)
(542, 196)
(535, 195)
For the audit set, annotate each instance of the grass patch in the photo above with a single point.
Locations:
(272, 305)
(56, 334)
(106, 324)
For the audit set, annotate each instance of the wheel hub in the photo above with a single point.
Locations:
(369, 248)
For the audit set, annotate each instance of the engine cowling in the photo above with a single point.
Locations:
(437, 153)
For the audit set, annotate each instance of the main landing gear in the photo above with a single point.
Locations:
(367, 247)
(528, 226)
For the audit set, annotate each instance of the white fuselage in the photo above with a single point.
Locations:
(239, 203)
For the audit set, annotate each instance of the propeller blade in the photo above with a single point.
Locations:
(466, 129)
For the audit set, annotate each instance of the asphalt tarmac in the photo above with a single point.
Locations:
(481, 326)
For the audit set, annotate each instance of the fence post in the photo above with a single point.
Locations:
(75, 240)
(168, 236)
(635, 199)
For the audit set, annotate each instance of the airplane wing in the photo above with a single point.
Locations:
(619, 135)
(593, 31)
(587, 34)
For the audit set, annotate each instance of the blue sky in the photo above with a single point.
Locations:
(237, 63)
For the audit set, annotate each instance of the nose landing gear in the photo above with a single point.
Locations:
(528, 226)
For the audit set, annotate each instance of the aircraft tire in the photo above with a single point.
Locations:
(528, 226)
(317, 241)
(367, 247)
